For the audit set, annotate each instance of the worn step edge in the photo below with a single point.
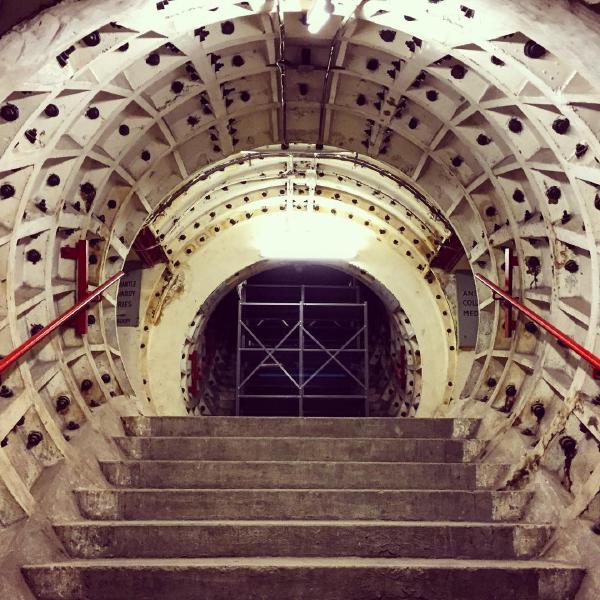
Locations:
(142, 447)
(131, 473)
(109, 503)
(147, 426)
(71, 580)
(96, 539)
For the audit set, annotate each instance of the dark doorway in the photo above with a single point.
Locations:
(302, 344)
(363, 378)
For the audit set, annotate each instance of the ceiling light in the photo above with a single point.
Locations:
(318, 15)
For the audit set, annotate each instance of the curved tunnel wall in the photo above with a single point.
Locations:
(235, 251)
(393, 346)
(108, 108)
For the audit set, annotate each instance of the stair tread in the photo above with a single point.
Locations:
(299, 523)
(238, 547)
(328, 420)
(295, 490)
(285, 561)
(308, 438)
(171, 461)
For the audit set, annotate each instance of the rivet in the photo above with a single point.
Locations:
(561, 125)
(7, 191)
(33, 439)
(227, 27)
(62, 404)
(538, 411)
(531, 327)
(372, 64)
(580, 150)
(387, 35)
(518, 196)
(33, 256)
(553, 194)
(571, 266)
(51, 111)
(153, 59)
(91, 39)
(53, 180)
(533, 49)
(515, 125)
(568, 445)
(458, 72)
(6, 392)
(9, 112)
(92, 113)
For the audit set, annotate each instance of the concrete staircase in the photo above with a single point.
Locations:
(302, 508)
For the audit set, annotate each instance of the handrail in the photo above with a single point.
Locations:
(35, 339)
(588, 356)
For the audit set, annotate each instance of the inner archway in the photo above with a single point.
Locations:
(350, 372)
(179, 304)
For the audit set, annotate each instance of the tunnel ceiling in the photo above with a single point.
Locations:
(491, 117)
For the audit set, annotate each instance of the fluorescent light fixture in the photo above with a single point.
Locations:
(305, 236)
(318, 15)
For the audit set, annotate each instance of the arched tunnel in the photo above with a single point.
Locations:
(409, 147)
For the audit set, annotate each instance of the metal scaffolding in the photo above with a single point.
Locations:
(303, 350)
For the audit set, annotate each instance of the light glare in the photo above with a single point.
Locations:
(302, 236)
(317, 16)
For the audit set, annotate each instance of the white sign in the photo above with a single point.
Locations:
(467, 308)
(128, 298)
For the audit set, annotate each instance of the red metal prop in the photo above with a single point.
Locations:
(80, 254)
(26, 346)
(588, 356)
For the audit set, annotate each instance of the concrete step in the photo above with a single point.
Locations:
(302, 578)
(389, 539)
(302, 474)
(295, 426)
(301, 448)
(211, 504)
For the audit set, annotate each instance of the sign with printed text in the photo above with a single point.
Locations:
(128, 298)
(467, 308)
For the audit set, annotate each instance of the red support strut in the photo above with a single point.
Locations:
(80, 254)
